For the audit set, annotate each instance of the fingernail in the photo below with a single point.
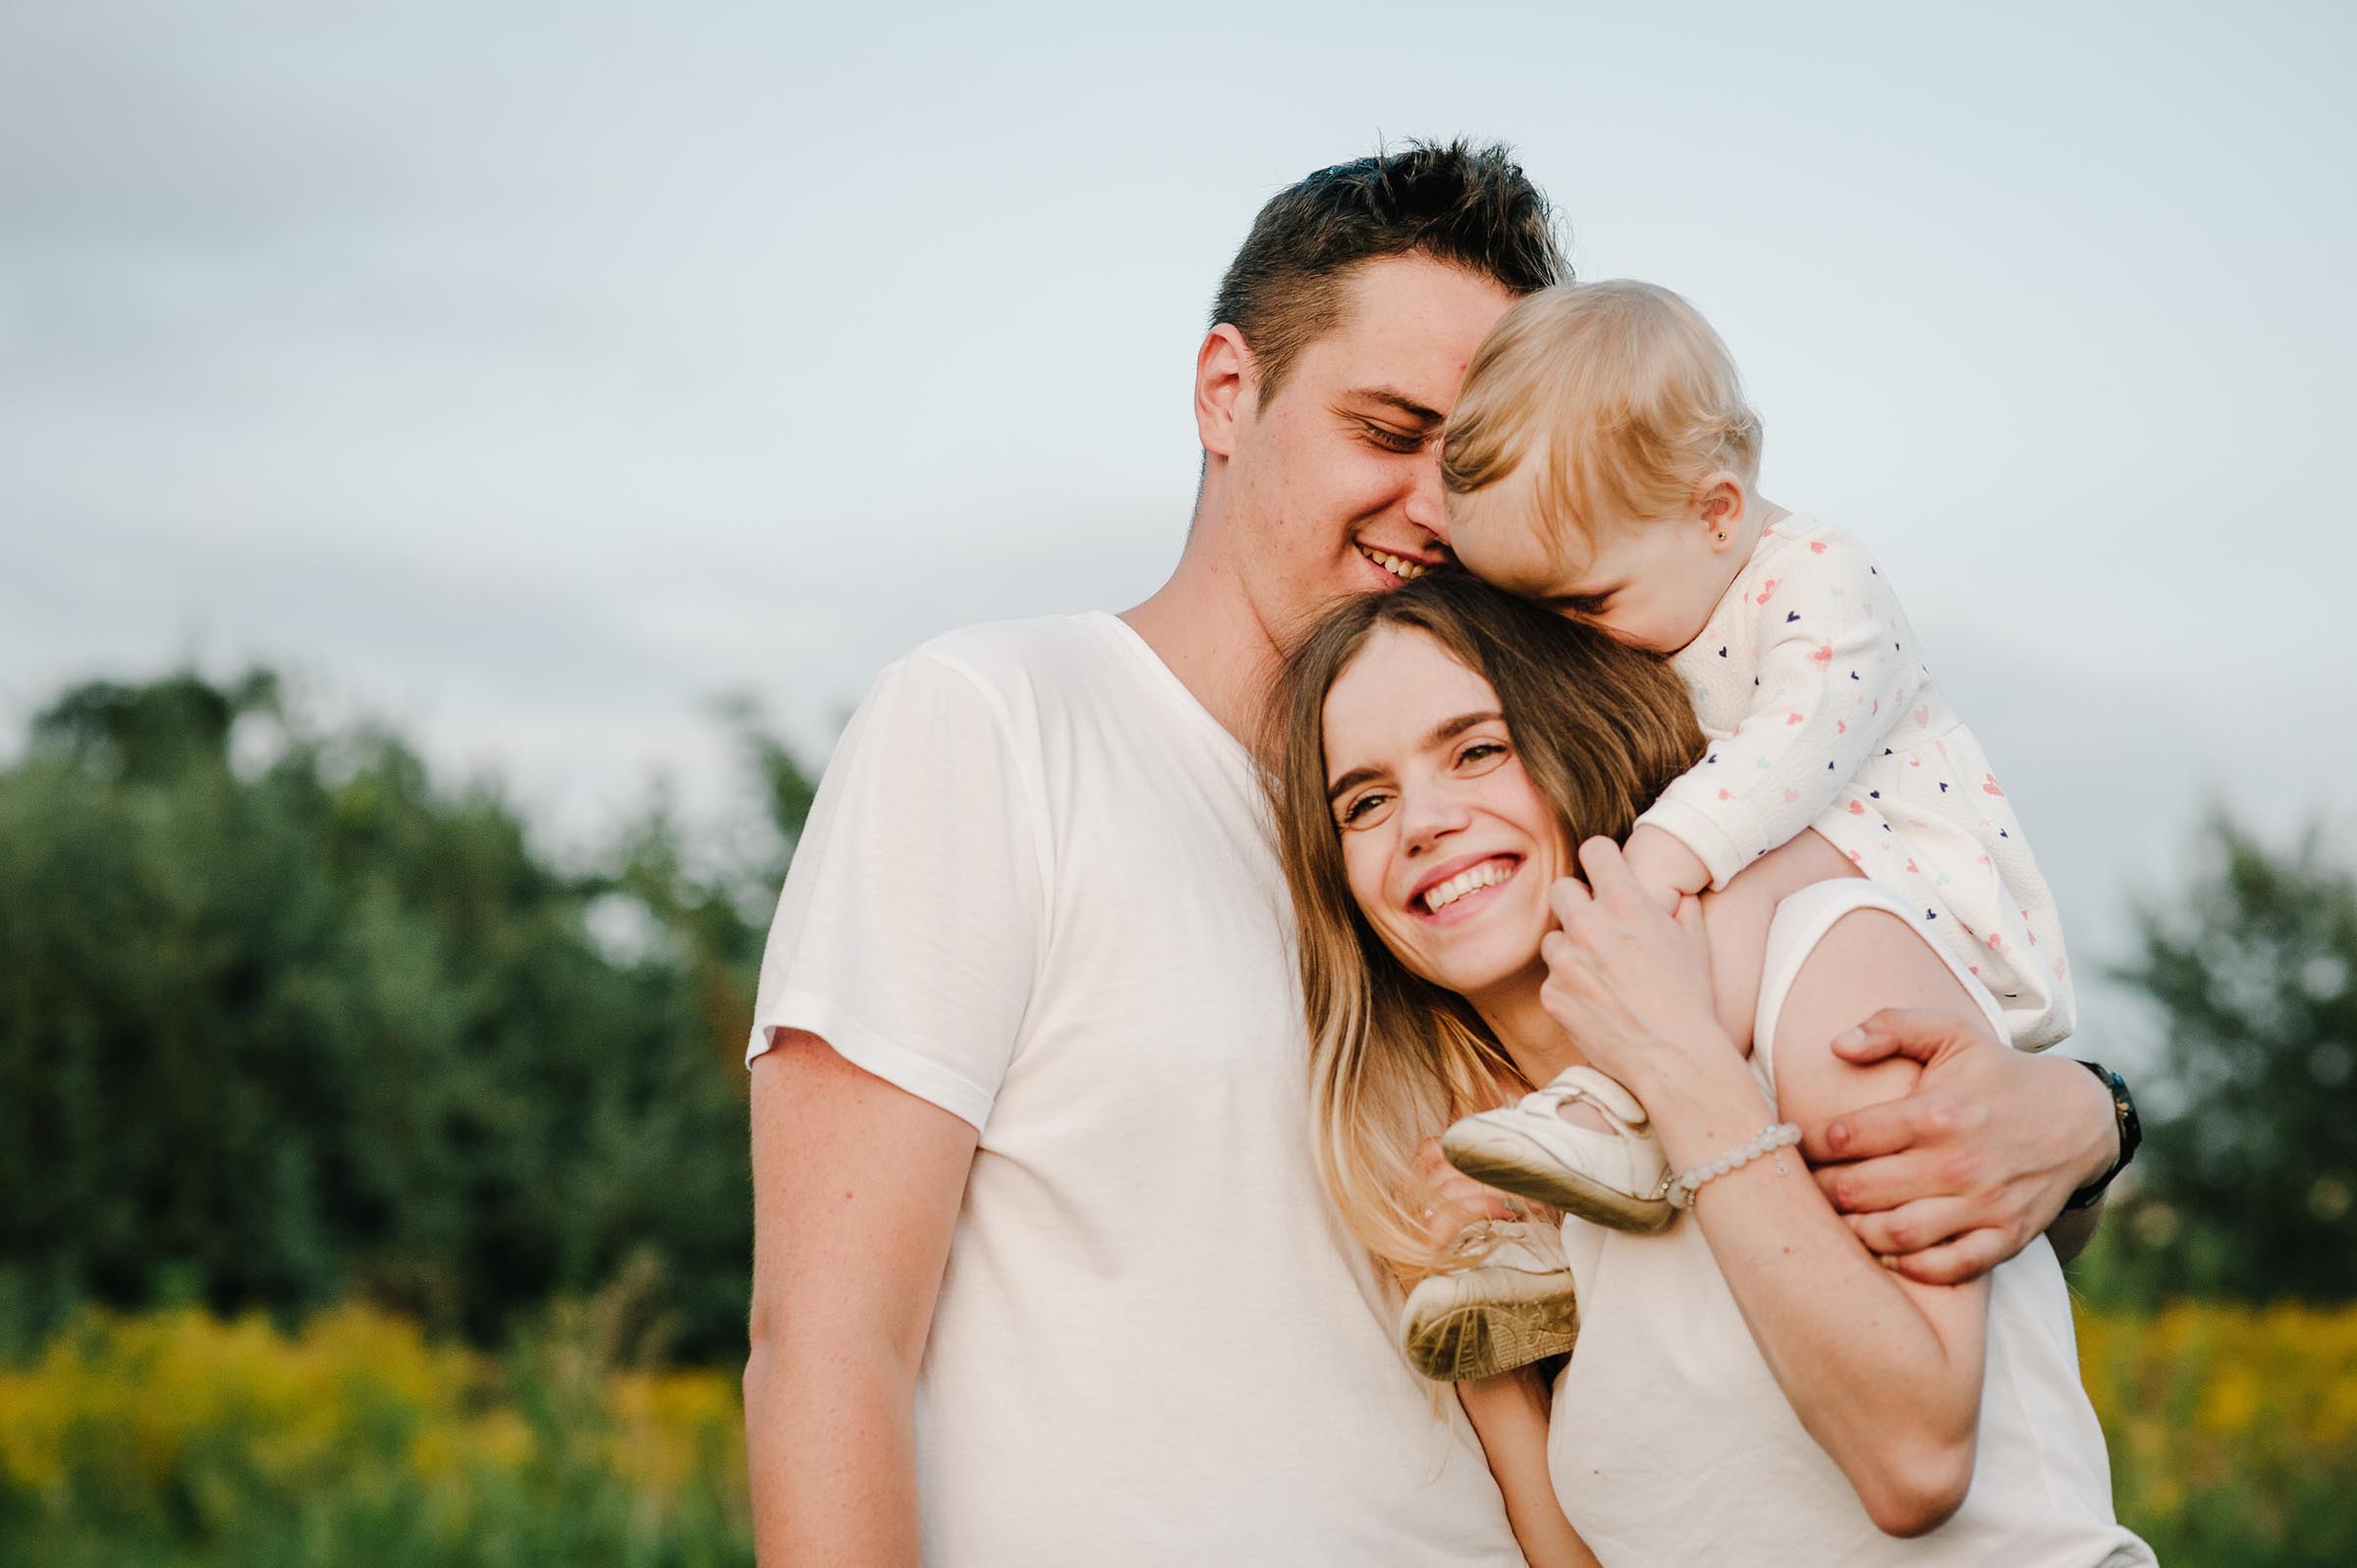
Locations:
(1848, 1038)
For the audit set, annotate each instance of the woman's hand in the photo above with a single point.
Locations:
(1626, 980)
(1453, 1199)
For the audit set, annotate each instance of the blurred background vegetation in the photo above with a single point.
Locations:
(375, 1183)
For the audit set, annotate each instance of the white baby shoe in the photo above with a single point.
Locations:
(1511, 1307)
(1614, 1179)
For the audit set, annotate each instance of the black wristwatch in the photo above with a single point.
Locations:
(2131, 1133)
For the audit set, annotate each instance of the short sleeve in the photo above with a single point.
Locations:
(913, 916)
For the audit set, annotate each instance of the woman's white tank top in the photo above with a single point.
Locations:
(1671, 1444)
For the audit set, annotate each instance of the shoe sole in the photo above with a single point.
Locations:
(1568, 1190)
(1481, 1340)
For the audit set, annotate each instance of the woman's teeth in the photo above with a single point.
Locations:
(1488, 874)
(1399, 567)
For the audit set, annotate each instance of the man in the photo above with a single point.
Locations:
(1043, 1275)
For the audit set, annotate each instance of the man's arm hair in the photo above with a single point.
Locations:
(856, 1188)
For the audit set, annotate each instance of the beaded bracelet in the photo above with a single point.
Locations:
(1680, 1188)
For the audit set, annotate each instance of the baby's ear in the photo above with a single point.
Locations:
(1722, 502)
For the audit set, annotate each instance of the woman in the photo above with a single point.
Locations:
(1748, 1385)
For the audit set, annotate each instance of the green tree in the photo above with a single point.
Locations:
(2249, 1169)
(274, 1033)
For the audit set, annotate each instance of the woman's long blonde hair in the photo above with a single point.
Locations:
(1394, 1059)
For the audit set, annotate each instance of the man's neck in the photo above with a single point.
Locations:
(1202, 626)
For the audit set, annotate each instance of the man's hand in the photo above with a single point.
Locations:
(1961, 1174)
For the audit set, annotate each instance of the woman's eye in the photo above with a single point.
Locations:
(1482, 754)
(1362, 810)
(1393, 441)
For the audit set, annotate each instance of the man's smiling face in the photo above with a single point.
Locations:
(1338, 484)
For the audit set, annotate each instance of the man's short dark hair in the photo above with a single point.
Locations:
(1469, 206)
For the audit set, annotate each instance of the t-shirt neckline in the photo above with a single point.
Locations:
(1163, 676)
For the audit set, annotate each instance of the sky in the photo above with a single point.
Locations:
(533, 376)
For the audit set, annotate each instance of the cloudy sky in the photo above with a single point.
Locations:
(534, 374)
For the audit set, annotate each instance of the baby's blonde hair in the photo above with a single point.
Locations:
(1620, 389)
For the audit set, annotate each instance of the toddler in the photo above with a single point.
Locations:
(1602, 460)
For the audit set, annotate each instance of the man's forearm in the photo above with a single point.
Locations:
(830, 1448)
(1509, 1415)
(2074, 1229)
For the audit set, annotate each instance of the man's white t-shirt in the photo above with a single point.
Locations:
(1036, 890)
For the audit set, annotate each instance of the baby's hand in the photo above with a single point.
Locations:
(1663, 867)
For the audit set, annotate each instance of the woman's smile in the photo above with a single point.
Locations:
(1457, 887)
(1447, 847)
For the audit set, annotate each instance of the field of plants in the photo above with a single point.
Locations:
(178, 1439)
(2232, 1431)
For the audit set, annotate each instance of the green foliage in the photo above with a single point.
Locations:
(2232, 1430)
(283, 1024)
(2246, 1184)
(282, 1021)
(272, 1035)
(178, 1440)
